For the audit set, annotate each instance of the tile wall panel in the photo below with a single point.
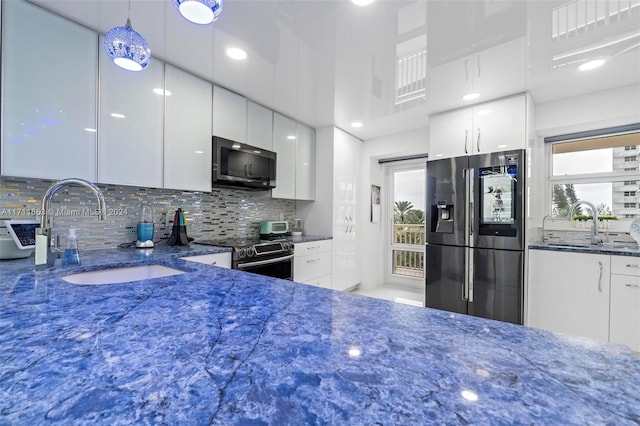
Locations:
(223, 213)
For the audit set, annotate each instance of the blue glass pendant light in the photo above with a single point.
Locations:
(199, 11)
(127, 48)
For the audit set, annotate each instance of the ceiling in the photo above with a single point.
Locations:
(332, 62)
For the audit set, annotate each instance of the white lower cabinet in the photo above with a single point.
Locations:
(222, 260)
(589, 295)
(312, 263)
(569, 293)
(624, 318)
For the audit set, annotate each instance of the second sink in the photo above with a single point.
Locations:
(121, 275)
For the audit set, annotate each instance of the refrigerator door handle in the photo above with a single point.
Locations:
(467, 188)
(470, 275)
(470, 203)
(465, 284)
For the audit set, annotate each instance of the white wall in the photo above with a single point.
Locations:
(372, 234)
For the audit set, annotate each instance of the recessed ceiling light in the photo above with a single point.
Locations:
(161, 92)
(116, 115)
(291, 137)
(199, 152)
(236, 53)
(362, 2)
(502, 146)
(590, 65)
(470, 96)
(356, 124)
(89, 129)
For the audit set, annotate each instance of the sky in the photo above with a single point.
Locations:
(410, 186)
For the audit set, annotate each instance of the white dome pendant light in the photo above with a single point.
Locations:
(199, 11)
(127, 48)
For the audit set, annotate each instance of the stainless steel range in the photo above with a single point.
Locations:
(270, 258)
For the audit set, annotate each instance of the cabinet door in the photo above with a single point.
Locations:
(624, 318)
(569, 293)
(49, 95)
(346, 257)
(500, 125)
(259, 126)
(305, 163)
(130, 136)
(284, 144)
(229, 115)
(450, 134)
(187, 143)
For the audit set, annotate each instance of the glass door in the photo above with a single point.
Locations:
(405, 204)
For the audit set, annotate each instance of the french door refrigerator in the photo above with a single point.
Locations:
(475, 235)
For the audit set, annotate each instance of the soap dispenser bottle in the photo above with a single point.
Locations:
(71, 256)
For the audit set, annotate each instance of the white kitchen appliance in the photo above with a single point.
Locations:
(17, 238)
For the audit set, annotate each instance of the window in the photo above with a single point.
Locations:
(405, 203)
(598, 169)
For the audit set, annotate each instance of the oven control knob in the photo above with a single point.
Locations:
(251, 251)
(242, 252)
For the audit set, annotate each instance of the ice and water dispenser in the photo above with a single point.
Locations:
(442, 217)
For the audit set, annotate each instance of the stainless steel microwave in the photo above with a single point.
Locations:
(240, 165)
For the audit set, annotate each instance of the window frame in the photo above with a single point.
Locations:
(618, 176)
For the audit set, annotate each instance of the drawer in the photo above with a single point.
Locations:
(625, 265)
(315, 265)
(323, 281)
(222, 260)
(312, 247)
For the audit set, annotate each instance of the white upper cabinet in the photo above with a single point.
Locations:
(49, 95)
(229, 115)
(450, 134)
(259, 126)
(284, 144)
(488, 127)
(130, 133)
(305, 162)
(187, 131)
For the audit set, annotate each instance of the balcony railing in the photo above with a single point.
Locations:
(408, 262)
(582, 15)
(404, 233)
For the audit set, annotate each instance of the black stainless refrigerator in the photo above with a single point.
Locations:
(475, 235)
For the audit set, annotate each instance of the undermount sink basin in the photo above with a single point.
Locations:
(121, 275)
(567, 245)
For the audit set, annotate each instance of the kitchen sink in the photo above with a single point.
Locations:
(121, 275)
(568, 245)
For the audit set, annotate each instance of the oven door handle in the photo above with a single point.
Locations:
(265, 262)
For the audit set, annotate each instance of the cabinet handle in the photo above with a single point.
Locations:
(313, 261)
(633, 266)
(600, 278)
(466, 137)
(313, 248)
(632, 285)
(478, 140)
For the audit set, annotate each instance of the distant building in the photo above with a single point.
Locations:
(626, 195)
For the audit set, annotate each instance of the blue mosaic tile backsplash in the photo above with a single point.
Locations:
(222, 213)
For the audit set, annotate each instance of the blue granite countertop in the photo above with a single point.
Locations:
(612, 250)
(219, 346)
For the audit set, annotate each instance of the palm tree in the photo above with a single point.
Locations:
(401, 209)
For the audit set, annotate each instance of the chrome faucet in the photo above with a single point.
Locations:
(594, 227)
(44, 251)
